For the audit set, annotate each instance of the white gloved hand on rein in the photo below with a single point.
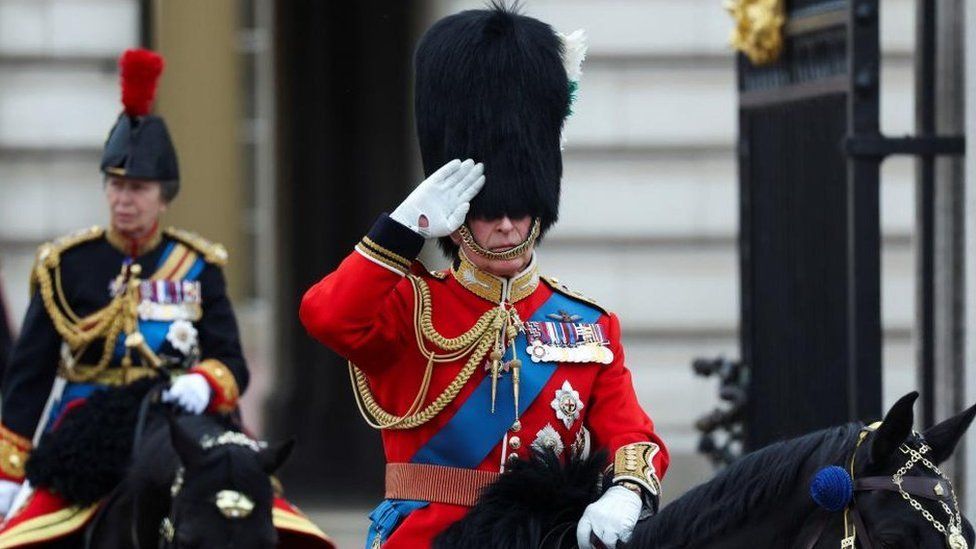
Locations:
(191, 392)
(611, 518)
(8, 491)
(443, 199)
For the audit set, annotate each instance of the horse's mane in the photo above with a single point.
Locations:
(90, 451)
(757, 480)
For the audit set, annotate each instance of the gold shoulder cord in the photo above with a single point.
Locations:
(107, 323)
(475, 342)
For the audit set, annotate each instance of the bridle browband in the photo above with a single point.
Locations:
(937, 489)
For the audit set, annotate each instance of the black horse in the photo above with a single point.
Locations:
(762, 500)
(163, 479)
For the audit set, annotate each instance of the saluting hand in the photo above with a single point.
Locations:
(438, 206)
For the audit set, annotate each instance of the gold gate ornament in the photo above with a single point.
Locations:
(758, 29)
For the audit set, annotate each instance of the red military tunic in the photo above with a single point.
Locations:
(364, 310)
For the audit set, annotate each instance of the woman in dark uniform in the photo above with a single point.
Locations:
(113, 305)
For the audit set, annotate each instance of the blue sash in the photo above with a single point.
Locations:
(155, 330)
(467, 439)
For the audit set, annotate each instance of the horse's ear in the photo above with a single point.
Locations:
(944, 436)
(186, 446)
(895, 428)
(274, 455)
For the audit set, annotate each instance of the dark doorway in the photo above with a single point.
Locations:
(345, 154)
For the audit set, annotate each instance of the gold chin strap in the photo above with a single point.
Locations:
(511, 253)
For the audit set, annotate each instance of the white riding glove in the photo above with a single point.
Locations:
(191, 392)
(610, 518)
(443, 199)
(8, 491)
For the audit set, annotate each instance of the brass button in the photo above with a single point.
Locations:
(517, 426)
(515, 442)
(513, 457)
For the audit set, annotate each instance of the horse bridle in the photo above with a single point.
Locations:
(909, 487)
(231, 503)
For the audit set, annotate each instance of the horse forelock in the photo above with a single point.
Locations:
(764, 478)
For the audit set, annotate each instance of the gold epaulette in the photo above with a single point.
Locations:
(561, 288)
(211, 251)
(49, 253)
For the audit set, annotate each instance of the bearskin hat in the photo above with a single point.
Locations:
(490, 85)
(139, 145)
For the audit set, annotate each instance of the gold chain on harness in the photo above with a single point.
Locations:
(486, 333)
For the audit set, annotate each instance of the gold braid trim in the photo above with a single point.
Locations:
(211, 251)
(55, 248)
(14, 450)
(376, 256)
(78, 333)
(474, 343)
(634, 463)
(107, 323)
(393, 256)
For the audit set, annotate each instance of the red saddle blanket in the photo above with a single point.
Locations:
(46, 517)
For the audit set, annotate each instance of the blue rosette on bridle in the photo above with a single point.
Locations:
(832, 488)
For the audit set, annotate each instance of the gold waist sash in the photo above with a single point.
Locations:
(114, 376)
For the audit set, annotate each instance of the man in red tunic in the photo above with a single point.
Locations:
(469, 369)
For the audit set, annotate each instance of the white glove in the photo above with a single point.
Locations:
(443, 199)
(610, 518)
(8, 490)
(190, 391)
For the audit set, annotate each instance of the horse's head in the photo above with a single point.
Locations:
(222, 494)
(901, 496)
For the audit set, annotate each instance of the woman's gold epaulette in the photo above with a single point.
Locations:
(49, 253)
(561, 288)
(211, 251)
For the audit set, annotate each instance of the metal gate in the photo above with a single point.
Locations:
(810, 150)
(810, 236)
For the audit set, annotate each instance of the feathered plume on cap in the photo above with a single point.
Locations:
(491, 85)
(139, 145)
(139, 71)
(574, 52)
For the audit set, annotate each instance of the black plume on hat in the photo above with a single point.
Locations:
(490, 85)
